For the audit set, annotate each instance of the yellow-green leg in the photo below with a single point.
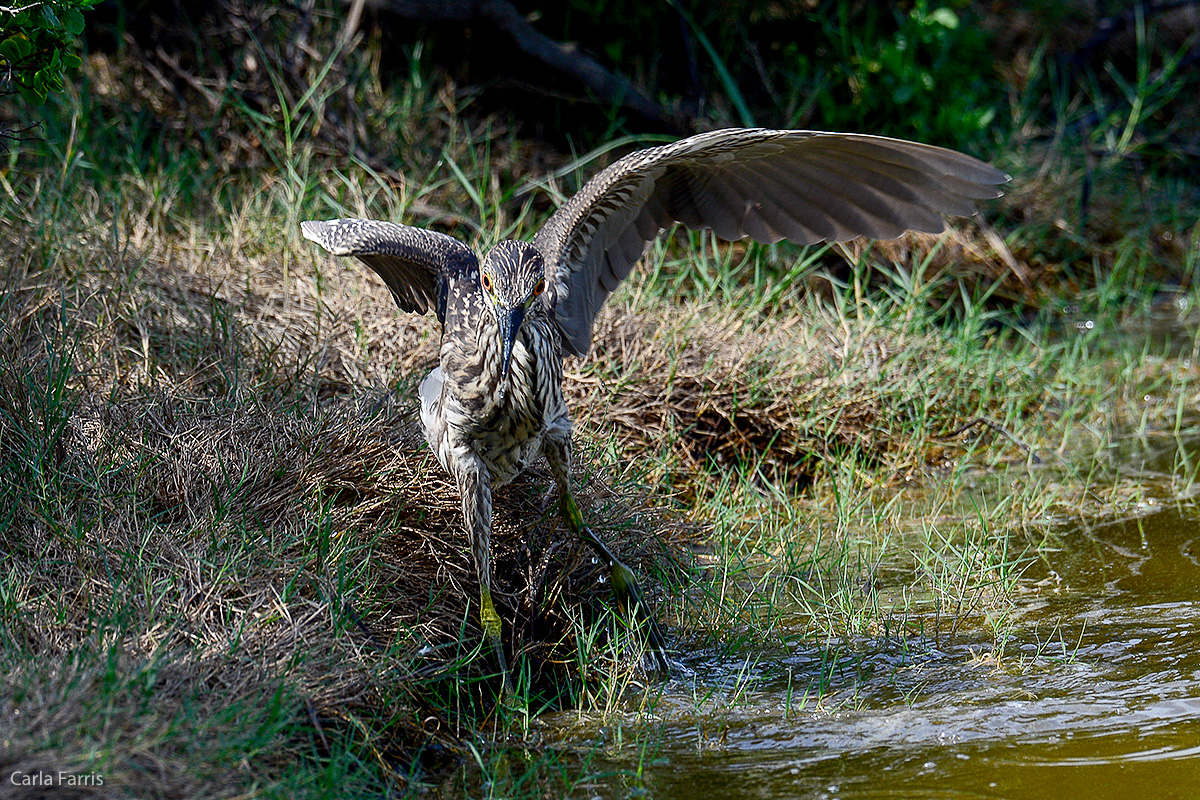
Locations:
(492, 630)
(474, 485)
(625, 588)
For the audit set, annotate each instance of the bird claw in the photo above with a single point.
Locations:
(492, 629)
(625, 587)
(633, 605)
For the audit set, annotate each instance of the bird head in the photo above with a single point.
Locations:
(513, 278)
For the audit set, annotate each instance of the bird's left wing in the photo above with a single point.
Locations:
(805, 186)
(413, 262)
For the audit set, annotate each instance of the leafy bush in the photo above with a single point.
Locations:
(920, 72)
(921, 69)
(36, 46)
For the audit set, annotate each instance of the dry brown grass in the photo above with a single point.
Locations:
(207, 449)
(722, 390)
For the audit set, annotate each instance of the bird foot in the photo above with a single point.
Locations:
(625, 587)
(498, 648)
(633, 605)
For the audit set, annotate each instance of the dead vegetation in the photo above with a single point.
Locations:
(211, 463)
(780, 397)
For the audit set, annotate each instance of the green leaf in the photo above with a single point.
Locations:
(33, 96)
(73, 19)
(21, 47)
(51, 18)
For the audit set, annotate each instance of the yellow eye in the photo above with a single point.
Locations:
(486, 281)
(541, 287)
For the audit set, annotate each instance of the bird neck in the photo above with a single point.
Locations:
(494, 388)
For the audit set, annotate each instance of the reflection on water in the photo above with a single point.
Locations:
(1097, 696)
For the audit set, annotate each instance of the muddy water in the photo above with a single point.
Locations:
(1095, 694)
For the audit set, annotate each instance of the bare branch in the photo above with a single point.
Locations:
(15, 11)
(608, 87)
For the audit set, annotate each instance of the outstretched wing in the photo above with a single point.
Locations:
(414, 263)
(805, 186)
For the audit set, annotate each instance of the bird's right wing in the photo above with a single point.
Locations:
(413, 262)
(805, 186)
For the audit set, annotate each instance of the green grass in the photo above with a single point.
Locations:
(231, 571)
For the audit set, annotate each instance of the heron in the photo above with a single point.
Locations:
(494, 403)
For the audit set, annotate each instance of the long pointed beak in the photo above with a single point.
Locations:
(510, 323)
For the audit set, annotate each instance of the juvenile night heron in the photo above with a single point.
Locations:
(495, 403)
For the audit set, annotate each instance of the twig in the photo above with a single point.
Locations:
(316, 722)
(996, 426)
(350, 26)
(1001, 249)
(608, 86)
(17, 135)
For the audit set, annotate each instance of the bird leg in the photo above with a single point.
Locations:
(625, 588)
(492, 629)
(474, 486)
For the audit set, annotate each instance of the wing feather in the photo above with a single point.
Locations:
(771, 216)
(633, 245)
(414, 263)
(801, 185)
(852, 206)
(712, 203)
(647, 224)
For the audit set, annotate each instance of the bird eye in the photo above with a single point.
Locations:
(541, 287)
(486, 280)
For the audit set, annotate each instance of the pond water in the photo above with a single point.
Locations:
(1095, 694)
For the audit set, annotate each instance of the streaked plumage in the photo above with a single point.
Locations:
(541, 298)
